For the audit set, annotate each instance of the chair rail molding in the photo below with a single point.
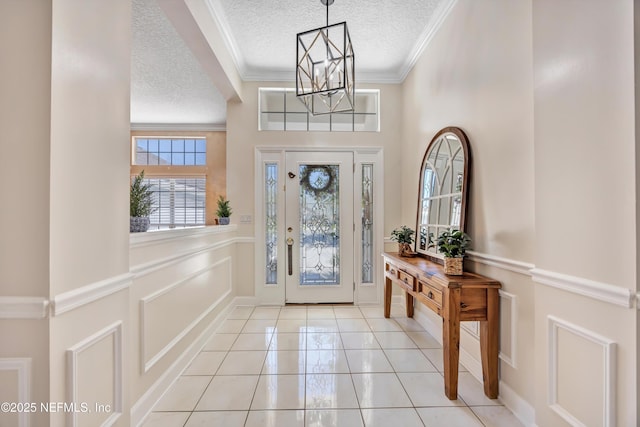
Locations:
(24, 308)
(599, 291)
(75, 298)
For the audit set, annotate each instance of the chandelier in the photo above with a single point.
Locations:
(325, 68)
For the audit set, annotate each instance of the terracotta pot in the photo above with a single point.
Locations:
(453, 266)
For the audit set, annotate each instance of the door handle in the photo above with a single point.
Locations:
(290, 255)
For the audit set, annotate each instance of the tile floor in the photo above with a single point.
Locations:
(322, 366)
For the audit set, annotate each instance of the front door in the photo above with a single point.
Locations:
(319, 227)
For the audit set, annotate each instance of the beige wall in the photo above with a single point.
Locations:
(243, 136)
(544, 91)
(586, 218)
(24, 169)
(476, 73)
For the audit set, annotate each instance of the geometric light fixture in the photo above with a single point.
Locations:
(325, 68)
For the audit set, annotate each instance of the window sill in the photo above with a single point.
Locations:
(156, 236)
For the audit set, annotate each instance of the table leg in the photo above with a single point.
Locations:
(409, 301)
(451, 342)
(489, 344)
(387, 298)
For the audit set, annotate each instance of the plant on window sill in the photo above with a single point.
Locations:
(224, 211)
(140, 204)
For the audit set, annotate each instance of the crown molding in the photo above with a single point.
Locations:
(220, 18)
(425, 38)
(187, 127)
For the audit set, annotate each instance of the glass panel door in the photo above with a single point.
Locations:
(319, 231)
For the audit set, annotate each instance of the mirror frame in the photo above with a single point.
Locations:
(464, 142)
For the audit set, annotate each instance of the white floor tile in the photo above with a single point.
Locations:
(273, 418)
(291, 325)
(220, 342)
(284, 362)
(405, 417)
(293, 313)
(252, 342)
(321, 325)
(347, 313)
(259, 326)
(166, 419)
(327, 362)
(183, 394)
(330, 391)
(279, 392)
(373, 312)
(240, 312)
(384, 325)
(424, 339)
(472, 391)
(368, 361)
(205, 363)
(242, 363)
(359, 340)
(427, 389)
(380, 391)
(217, 419)
(288, 341)
(496, 416)
(265, 313)
(320, 313)
(394, 340)
(408, 324)
(228, 393)
(450, 417)
(409, 360)
(231, 326)
(323, 341)
(353, 325)
(333, 418)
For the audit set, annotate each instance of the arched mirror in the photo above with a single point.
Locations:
(442, 197)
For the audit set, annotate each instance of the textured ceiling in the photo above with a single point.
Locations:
(385, 34)
(169, 86)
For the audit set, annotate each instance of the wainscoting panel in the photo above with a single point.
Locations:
(15, 375)
(170, 313)
(94, 378)
(580, 356)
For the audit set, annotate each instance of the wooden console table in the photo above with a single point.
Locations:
(455, 299)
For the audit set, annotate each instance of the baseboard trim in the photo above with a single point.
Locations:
(24, 308)
(84, 295)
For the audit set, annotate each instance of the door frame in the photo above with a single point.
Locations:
(274, 294)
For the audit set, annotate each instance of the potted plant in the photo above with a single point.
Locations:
(453, 244)
(140, 204)
(224, 211)
(404, 237)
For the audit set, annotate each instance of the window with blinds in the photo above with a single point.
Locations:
(179, 202)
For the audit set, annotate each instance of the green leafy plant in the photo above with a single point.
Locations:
(140, 198)
(403, 235)
(453, 243)
(224, 208)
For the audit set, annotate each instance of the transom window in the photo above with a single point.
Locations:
(280, 110)
(171, 151)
